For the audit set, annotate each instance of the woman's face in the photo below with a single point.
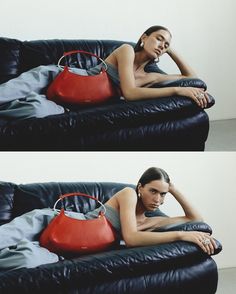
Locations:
(157, 43)
(153, 194)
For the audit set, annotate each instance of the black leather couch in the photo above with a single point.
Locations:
(163, 124)
(175, 268)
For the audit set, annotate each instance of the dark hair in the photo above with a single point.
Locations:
(149, 32)
(152, 174)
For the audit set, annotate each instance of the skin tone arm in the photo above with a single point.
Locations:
(127, 200)
(191, 214)
(185, 69)
(125, 60)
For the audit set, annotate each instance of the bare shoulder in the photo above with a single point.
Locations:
(124, 53)
(123, 197)
(126, 49)
(127, 194)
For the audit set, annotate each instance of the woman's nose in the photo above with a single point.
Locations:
(158, 198)
(161, 45)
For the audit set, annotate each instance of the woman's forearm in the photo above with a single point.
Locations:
(184, 68)
(139, 93)
(189, 210)
(151, 238)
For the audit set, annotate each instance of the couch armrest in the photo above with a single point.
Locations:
(186, 82)
(191, 226)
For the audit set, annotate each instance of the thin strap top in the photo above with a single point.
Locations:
(112, 216)
(111, 71)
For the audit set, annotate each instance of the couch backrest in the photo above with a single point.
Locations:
(18, 56)
(18, 199)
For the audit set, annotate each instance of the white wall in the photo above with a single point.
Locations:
(203, 32)
(207, 179)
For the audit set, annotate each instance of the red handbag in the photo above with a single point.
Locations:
(72, 88)
(66, 235)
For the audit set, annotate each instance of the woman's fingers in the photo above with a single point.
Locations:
(200, 97)
(207, 243)
(205, 99)
(204, 240)
(200, 244)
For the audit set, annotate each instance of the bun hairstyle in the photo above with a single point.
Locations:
(148, 32)
(152, 174)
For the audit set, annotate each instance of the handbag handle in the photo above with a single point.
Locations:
(80, 194)
(83, 52)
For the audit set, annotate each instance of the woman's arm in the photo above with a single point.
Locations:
(191, 214)
(125, 61)
(127, 200)
(185, 69)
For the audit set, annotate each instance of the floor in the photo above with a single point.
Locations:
(227, 281)
(222, 136)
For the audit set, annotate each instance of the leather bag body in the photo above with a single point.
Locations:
(66, 235)
(72, 88)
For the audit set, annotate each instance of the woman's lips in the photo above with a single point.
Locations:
(154, 206)
(158, 52)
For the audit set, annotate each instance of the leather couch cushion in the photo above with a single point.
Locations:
(9, 58)
(97, 269)
(41, 195)
(6, 201)
(116, 114)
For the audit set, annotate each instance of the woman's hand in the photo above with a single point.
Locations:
(203, 240)
(191, 213)
(171, 188)
(169, 51)
(196, 94)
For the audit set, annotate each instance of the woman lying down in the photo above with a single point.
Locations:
(24, 96)
(19, 246)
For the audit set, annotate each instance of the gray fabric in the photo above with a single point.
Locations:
(34, 105)
(111, 214)
(24, 97)
(28, 226)
(25, 254)
(19, 246)
(111, 71)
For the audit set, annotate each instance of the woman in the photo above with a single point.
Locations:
(24, 96)
(150, 193)
(134, 81)
(126, 212)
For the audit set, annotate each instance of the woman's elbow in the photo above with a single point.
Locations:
(130, 94)
(130, 241)
(198, 218)
(192, 76)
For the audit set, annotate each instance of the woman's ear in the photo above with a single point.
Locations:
(143, 37)
(138, 189)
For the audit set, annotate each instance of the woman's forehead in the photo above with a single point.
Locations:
(159, 185)
(165, 34)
